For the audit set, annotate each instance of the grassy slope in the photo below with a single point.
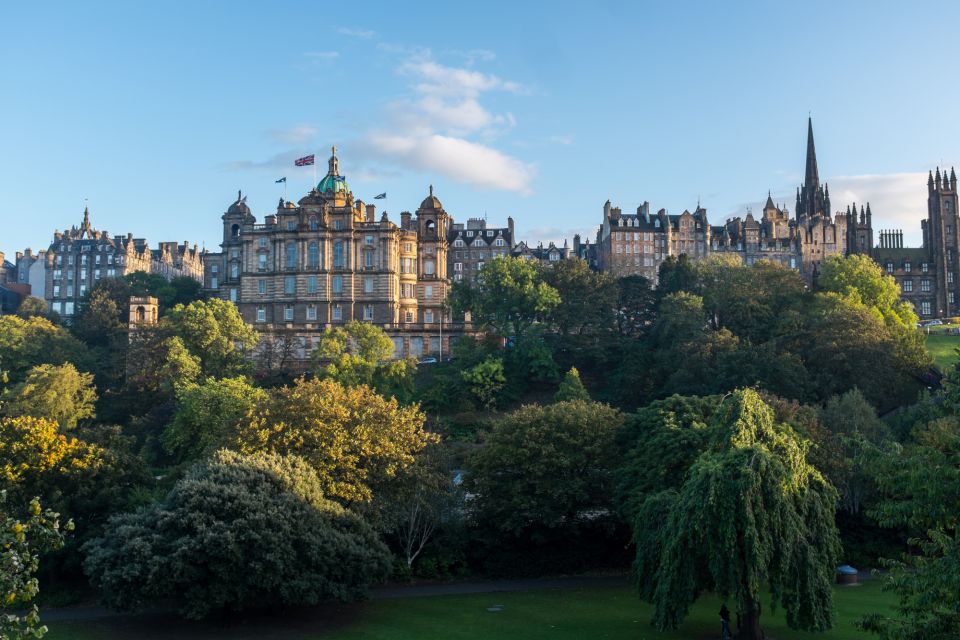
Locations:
(942, 347)
(555, 614)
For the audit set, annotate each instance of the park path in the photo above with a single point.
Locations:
(96, 612)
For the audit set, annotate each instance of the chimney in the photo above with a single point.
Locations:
(405, 220)
(371, 213)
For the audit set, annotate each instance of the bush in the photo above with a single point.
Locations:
(237, 532)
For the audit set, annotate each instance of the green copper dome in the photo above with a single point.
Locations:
(333, 182)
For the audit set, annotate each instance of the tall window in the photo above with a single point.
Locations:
(288, 313)
(262, 287)
(428, 267)
(428, 291)
(949, 277)
(907, 286)
(311, 312)
(233, 294)
(263, 243)
(337, 312)
(428, 316)
(311, 284)
(313, 255)
(368, 284)
(314, 225)
(368, 312)
(368, 259)
(262, 262)
(338, 254)
(289, 285)
(261, 314)
(337, 284)
(924, 308)
(234, 270)
(925, 286)
(291, 255)
(907, 266)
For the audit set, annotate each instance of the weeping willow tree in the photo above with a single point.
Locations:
(750, 514)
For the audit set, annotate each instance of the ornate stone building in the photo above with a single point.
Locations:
(629, 244)
(330, 259)
(78, 258)
(927, 275)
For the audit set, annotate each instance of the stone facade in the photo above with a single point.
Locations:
(474, 244)
(329, 259)
(545, 255)
(77, 259)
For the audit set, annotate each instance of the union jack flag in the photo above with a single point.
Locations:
(304, 161)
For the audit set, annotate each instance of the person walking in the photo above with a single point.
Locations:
(725, 622)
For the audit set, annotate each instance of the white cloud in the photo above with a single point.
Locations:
(564, 140)
(295, 134)
(443, 126)
(365, 34)
(322, 56)
(457, 158)
(897, 200)
(557, 235)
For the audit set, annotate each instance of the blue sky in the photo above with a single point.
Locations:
(157, 113)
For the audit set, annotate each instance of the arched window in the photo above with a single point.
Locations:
(430, 226)
(338, 254)
(428, 267)
(313, 257)
(141, 314)
(314, 225)
(235, 231)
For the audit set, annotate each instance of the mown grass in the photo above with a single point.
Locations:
(559, 614)
(942, 346)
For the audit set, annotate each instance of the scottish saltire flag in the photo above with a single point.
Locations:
(304, 161)
(382, 196)
(283, 179)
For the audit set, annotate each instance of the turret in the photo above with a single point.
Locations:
(930, 182)
(953, 180)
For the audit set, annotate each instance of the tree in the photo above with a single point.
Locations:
(208, 415)
(32, 306)
(25, 343)
(213, 332)
(749, 513)
(635, 305)
(485, 381)
(237, 532)
(361, 353)
(676, 274)
(571, 388)
(545, 470)
(860, 277)
(355, 439)
(22, 540)
(918, 486)
(587, 298)
(59, 393)
(508, 298)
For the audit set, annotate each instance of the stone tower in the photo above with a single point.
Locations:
(813, 199)
(144, 310)
(943, 237)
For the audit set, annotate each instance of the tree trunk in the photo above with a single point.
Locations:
(748, 623)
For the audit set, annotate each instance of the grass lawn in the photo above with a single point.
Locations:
(942, 347)
(549, 614)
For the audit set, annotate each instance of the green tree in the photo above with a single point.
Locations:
(213, 332)
(208, 414)
(25, 343)
(918, 485)
(22, 540)
(545, 470)
(636, 301)
(587, 298)
(571, 388)
(361, 353)
(749, 513)
(32, 306)
(58, 393)
(508, 298)
(237, 532)
(355, 439)
(860, 277)
(676, 274)
(485, 381)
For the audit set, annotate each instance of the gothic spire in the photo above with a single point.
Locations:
(812, 176)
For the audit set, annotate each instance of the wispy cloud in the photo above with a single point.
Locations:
(277, 162)
(557, 139)
(321, 56)
(897, 200)
(557, 235)
(295, 134)
(443, 126)
(365, 34)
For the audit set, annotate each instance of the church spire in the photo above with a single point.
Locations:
(812, 176)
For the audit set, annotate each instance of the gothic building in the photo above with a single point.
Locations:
(473, 245)
(327, 260)
(927, 275)
(638, 244)
(78, 258)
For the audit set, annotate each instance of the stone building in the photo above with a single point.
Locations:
(927, 275)
(474, 244)
(329, 259)
(78, 258)
(545, 255)
(636, 244)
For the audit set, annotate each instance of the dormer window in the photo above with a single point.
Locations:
(656, 223)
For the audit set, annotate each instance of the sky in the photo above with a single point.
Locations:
(155, 114)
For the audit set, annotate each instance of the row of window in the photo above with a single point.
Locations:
(479, 242)
(907, 267)
(337, 314)
(58, 261)
(336, 286)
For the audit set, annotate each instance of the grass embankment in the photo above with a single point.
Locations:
(558, 614)
(942, 346)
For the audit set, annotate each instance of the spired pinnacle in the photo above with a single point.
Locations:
(812, 177)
